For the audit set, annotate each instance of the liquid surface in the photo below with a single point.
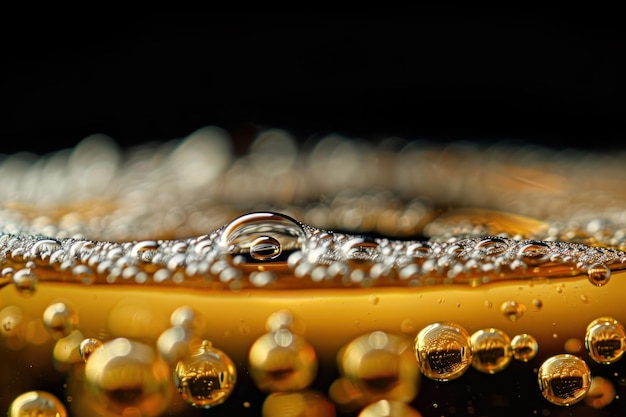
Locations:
(177, 279)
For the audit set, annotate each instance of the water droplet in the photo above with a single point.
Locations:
(491, 350)
(601, 393)
(605, 340)
(262, 236)
(282, 361)
(126, 375)
(381, 365)
(206, 378)
(443, 351)
(534, 253)
(88, 346)
(512, 310)
(599, 274)
(37, 403)
(491, 246)
(60, 320)
(25, 281)
(564, 379)
(524, 346)
(386, 408)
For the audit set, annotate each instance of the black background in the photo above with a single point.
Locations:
(484, 74)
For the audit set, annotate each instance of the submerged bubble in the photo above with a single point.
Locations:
(605, 340)
(25, 281)
(564, 379)
(126, 377)
(88, 346)
(37, 404)
(381, 365)
(306, 403)
(524, 347)
(599, 274)
(206, 378)
(282, 361)
(491, 350)
(60, 320)
(443, 351)
(512, 310)
(601, 393)
(262, 236)
(385, 408)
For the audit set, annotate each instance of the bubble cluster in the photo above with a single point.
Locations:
(206, 378)
(564, 379)
(605, 340)
(443, 351)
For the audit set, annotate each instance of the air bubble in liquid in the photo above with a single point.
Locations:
(491, 350)
(262, 237)
(37, 403)
(512, 310)
(25, 281)
(60, 320)
(126, 377)
(360, 249)
(443, 351)
(564, 379)
(524, 347)
(385, 408)
(598, 274)
(88, 346)
(534, 253)
(605, 340)
(206, 378)
(307, 403)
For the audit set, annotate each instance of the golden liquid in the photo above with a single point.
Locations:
(551, 300)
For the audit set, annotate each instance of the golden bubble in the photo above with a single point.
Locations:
(524, 346)
(25, 281)
(382, 365)
(605, 340)
(126, 376)
(60, 319)
(206, 378)
(13, 325)
(564, 379)
(174, 344)
(282, 361)
(37, 404)
(385, 408)
(601, 393)
(306, 403)
(67, 349)
(188, 318)
(88, 346)
(284, 319)
(573, 345)
(512, 310)
(491, 350)
(443, 351)
(599, 274)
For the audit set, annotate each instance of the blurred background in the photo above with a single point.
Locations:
(543, 76)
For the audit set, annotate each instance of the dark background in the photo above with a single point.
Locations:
(483, 74)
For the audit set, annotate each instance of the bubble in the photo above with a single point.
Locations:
(524, 347)
(25, 281)
(419, 250)
(360, 249)
(173, 344)
(284, 319)
(282, 361)
(262, 236)
(83, 274)
(601, 393)
(599, 274)
(538, 304)
(37, 404)
(385, 408)
(305, 403)
(265, 248)
(381, 365)
(88, 346)
(126, 376)
(188, 317)
(605, 340)
(534, 253)
(512, 310)
(443, 351)
(60, 320)
(491, 246)
(564, 379)
(491, 350)
(206, 378)
(573, 345)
